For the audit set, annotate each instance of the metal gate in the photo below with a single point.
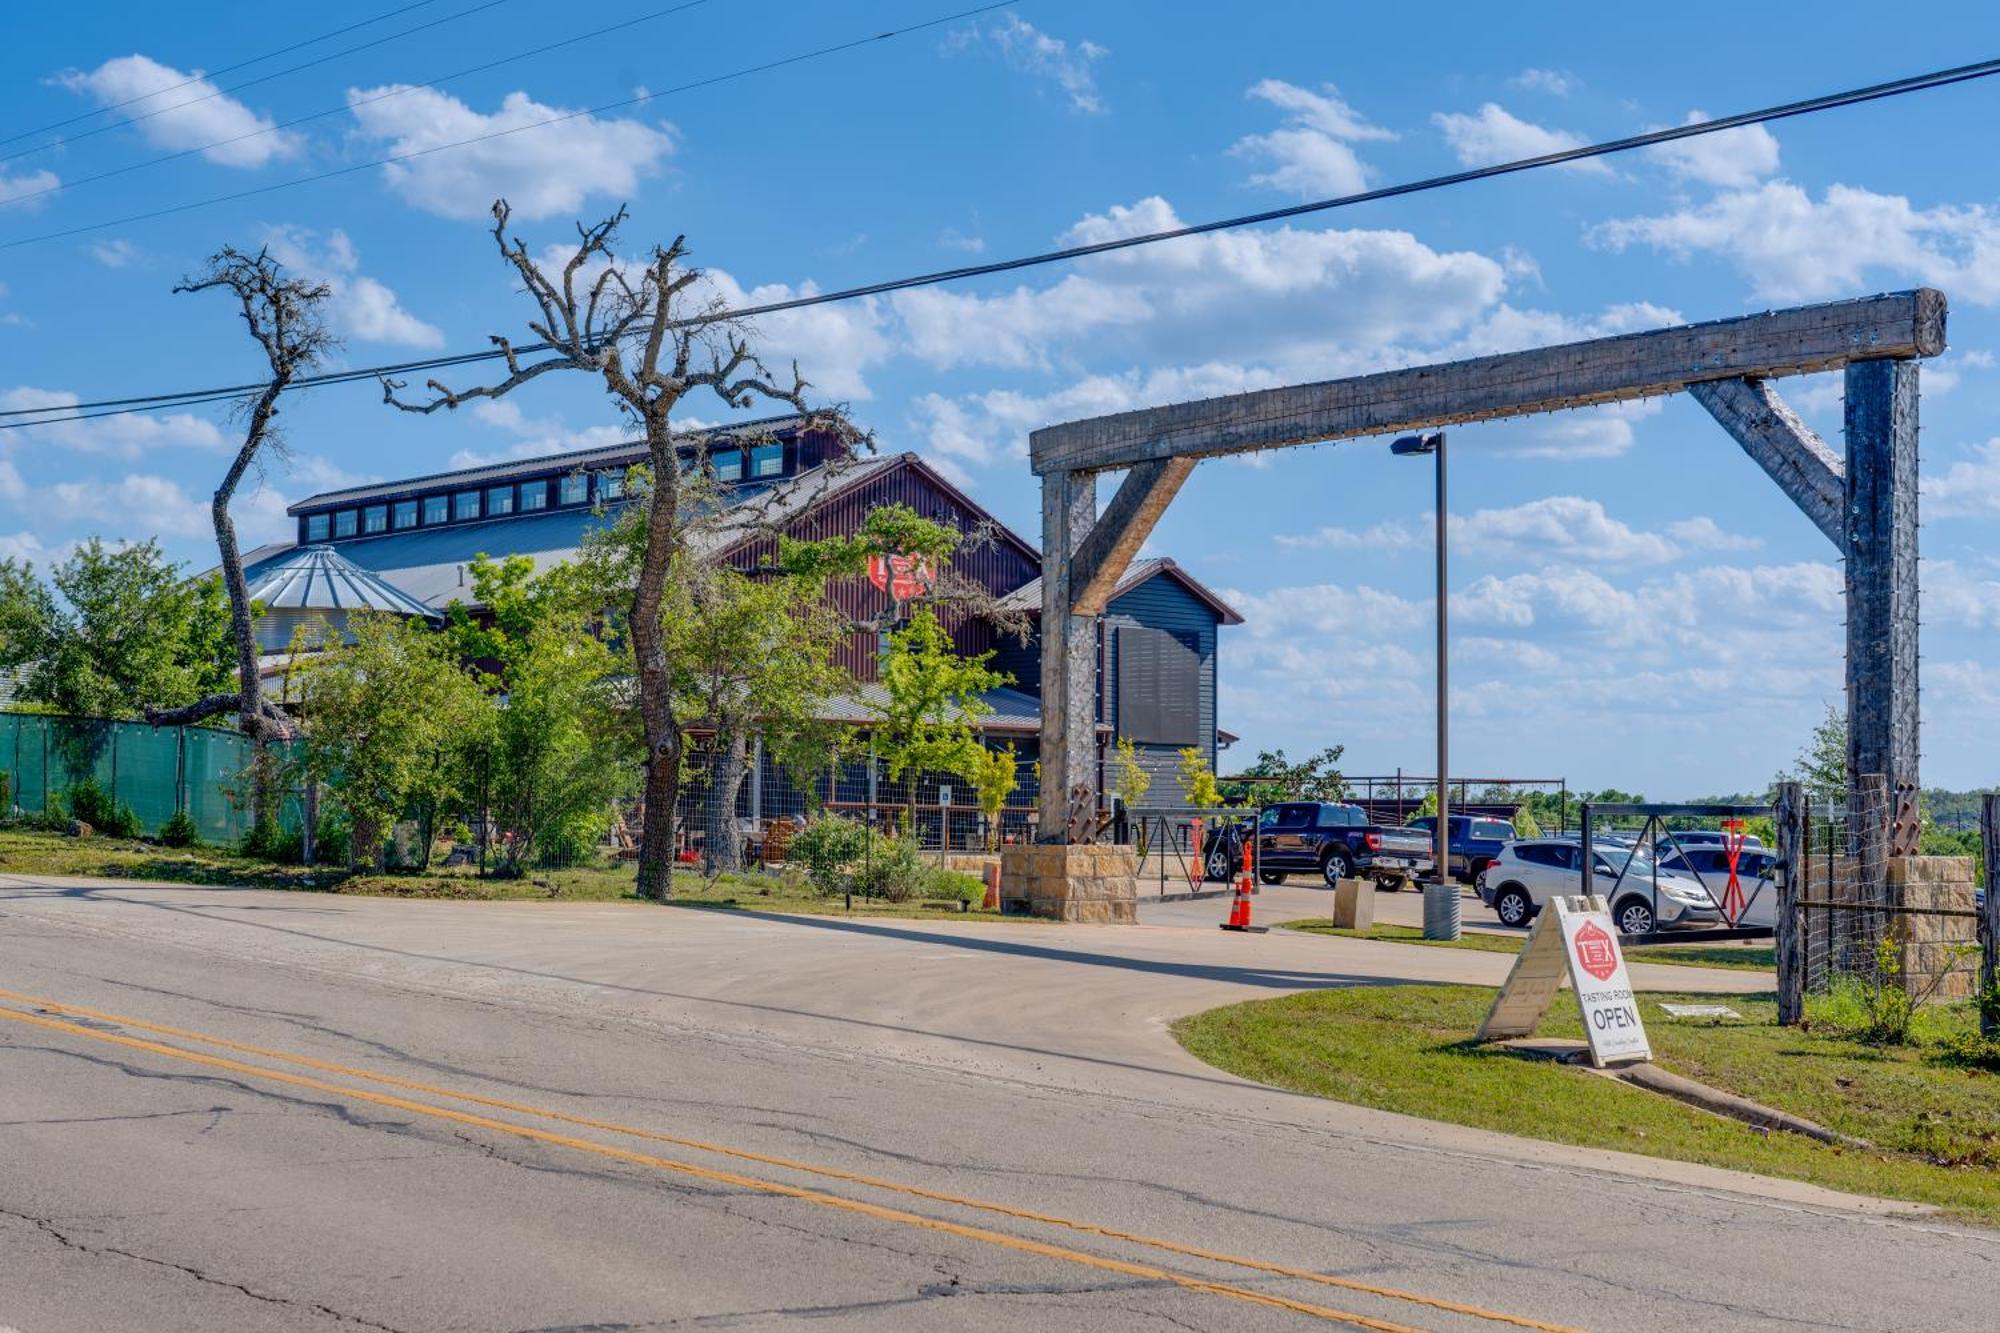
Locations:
(1726, 907)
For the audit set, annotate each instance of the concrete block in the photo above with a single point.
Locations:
(1354, 904)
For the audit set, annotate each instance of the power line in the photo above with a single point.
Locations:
(226, 69)
(1830, 101)
(637, 100)
(398, 91)
(248, 83)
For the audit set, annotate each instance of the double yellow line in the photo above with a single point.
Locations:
(44, 1011)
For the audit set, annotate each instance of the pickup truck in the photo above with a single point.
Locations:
(1476, 841)
(1324, 838)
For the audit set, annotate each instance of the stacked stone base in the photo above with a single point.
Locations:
(1097, 884)
(1939, 953)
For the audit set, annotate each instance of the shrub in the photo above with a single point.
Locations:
(957, 886)
(180, 831)
(1969, 1050)
(893, 871)
(96, 807)
(826, 848)
(6, 794)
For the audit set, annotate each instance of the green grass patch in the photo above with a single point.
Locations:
(1736, 957)
(31, 852)
(1935, 1128)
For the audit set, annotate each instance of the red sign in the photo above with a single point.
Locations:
(901, 576)
(1595, 951)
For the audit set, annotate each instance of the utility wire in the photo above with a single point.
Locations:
(398, 90)
(1851, 97)
(248, 83)
(392, 159)
(226, 69)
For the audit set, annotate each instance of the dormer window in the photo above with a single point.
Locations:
(610, 485)
(375, 518)
(575, 489)
(317, 526)
(534, 495)
(499, 501)
(343, 523)
(404, 515)
(728, 464)
(437, 509)
(767, 460)
(465, 505)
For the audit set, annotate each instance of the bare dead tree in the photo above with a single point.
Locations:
(286, 317)
(646, 332)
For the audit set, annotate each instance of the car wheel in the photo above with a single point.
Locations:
(1635, 917)
(1217, 864)
(1513, 905)
(1477, 868)
(1271, 876)
(1389, 883)
(1337, 866)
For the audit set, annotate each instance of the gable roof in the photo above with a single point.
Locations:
(1028, 597)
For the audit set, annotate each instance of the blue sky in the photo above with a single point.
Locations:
(1634, 603)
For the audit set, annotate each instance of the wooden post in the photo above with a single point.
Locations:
(1792, 854)
(1881, 429)
(1989, 917)
(1069, 654)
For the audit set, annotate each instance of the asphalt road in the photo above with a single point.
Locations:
(240, 1110)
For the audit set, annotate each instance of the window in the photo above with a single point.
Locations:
(728, 464)
(534, 495)
(465, 505)
(404, 515)
(610, 485)
(575, 489)
(343, 523)
(436, 509)
(375, 518)
(1295, 816)
(1338, 816)
(1548, 854)
(316, 527)
(499, 500)
(767, 460)
(1492, 828)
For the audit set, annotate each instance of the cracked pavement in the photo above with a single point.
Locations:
(1027, 1065)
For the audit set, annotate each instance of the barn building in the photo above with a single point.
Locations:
(408, 545)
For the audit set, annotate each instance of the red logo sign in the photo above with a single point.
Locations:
(1596, 951)
(901, 576)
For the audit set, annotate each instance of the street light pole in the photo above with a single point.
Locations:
(1440, 907)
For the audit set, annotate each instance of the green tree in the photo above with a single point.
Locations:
(1821, 767)
(123, 629)
(1130, 782)
(993, 773)
(927, 716)
(1197, 781)
(1314, 778)
(388, 720)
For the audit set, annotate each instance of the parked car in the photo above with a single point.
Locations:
(1530, 871)
(1325, 838)
(1756, 873)
(1697, 837)
(1475, 841)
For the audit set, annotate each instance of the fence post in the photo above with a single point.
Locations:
(1792, 854)
(1989, 918)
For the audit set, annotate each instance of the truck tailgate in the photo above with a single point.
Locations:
(1406, 842)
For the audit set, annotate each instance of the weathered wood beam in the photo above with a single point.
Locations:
(1545, 379)
(1881, 548)
(1121, 530)
(1989, 913)
(1794, 834)
(1069, 655)
(1784, 446)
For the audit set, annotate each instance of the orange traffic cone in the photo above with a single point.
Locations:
(1239, 907)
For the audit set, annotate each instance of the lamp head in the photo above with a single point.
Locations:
(1416, 445)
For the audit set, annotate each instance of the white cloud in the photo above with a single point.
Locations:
(542, 171)
(1955, 596)
(114, 253)
(361, 308)
(1494, 134)
(1792, 248)
(194, 114)
(135, 504)
(1311, 152)
(12, 487)
(1969, 488)
(1387, 535)
(834, 345)
(534, 436)
(1578, 528)
(25, 546)
(1730, 159)
(1028, 49)
(1554, 82)
(124, 436)
(33, 183)
(1603, 431)
(951, 238)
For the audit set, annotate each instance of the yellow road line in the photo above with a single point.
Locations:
(1147, 1271)
(831, 1173)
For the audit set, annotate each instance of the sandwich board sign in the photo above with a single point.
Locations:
(1573, 938)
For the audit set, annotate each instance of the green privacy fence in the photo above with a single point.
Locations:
(157, 771)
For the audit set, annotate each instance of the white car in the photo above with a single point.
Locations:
(1530, 871)
(1756, 876)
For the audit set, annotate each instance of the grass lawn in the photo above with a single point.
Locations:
(1737, 957)
(30, 852)
(1935, 1128)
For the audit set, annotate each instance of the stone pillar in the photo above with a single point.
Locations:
(1070, 882)
(1936, 959)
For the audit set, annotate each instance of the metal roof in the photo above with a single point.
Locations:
(575, 460)
(1028, 597)
(319, 578)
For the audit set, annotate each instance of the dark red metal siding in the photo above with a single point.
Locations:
(999, 566)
